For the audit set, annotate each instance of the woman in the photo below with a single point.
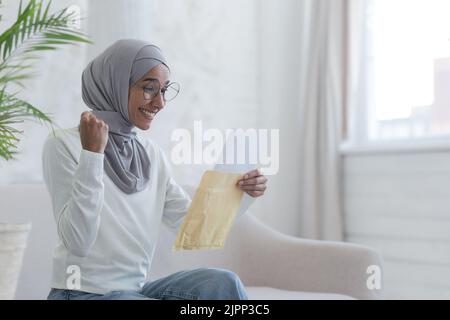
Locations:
(111, 188)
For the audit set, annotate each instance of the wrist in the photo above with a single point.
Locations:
(95, 150)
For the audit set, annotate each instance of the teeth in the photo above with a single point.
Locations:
(152, 114)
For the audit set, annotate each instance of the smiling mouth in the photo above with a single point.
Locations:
(148, 114)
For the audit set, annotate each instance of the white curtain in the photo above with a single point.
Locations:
(199, 38)
(322, 93)
(108, 21)
(238, 69)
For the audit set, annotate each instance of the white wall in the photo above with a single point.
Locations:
(231, 60)
(399, 203)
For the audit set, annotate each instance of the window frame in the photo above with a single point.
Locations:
(359, 110)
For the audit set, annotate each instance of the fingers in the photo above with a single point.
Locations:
(253, 173)
(85, 116)
(88, 117)
(255, 187)
(93, 132)
(250, 175)
(255, 194)
(253, 181)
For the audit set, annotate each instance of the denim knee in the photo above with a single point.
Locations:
(228, 284)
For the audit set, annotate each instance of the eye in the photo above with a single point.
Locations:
(149, 89)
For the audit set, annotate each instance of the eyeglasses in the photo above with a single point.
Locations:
(153, 88)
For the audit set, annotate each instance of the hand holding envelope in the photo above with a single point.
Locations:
(219, 199)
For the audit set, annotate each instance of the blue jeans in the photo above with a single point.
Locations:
(197, 284)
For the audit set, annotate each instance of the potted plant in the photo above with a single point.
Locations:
(35, 30)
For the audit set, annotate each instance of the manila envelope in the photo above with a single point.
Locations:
(212, 212)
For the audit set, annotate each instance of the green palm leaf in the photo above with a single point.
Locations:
(35, 30)
(14, 111)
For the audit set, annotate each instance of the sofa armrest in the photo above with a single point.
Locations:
(271, 259)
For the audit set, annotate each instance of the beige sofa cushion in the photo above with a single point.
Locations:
(266, 293)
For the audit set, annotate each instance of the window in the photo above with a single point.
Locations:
(408, 69)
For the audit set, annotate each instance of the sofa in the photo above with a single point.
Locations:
(270, 264)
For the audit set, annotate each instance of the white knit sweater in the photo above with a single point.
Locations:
(105, 234)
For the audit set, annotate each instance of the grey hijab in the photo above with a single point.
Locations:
(105, 84)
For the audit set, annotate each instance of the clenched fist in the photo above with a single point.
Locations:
(93, 133)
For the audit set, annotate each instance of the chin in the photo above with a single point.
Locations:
(144, 127)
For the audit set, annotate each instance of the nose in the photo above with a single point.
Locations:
(159, 101)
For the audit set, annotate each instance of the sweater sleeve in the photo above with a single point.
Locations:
(176, 205)
(77, 193)
(177, 200)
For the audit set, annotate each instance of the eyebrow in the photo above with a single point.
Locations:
(154, 79)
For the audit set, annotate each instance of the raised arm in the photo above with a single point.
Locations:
(76, 186)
